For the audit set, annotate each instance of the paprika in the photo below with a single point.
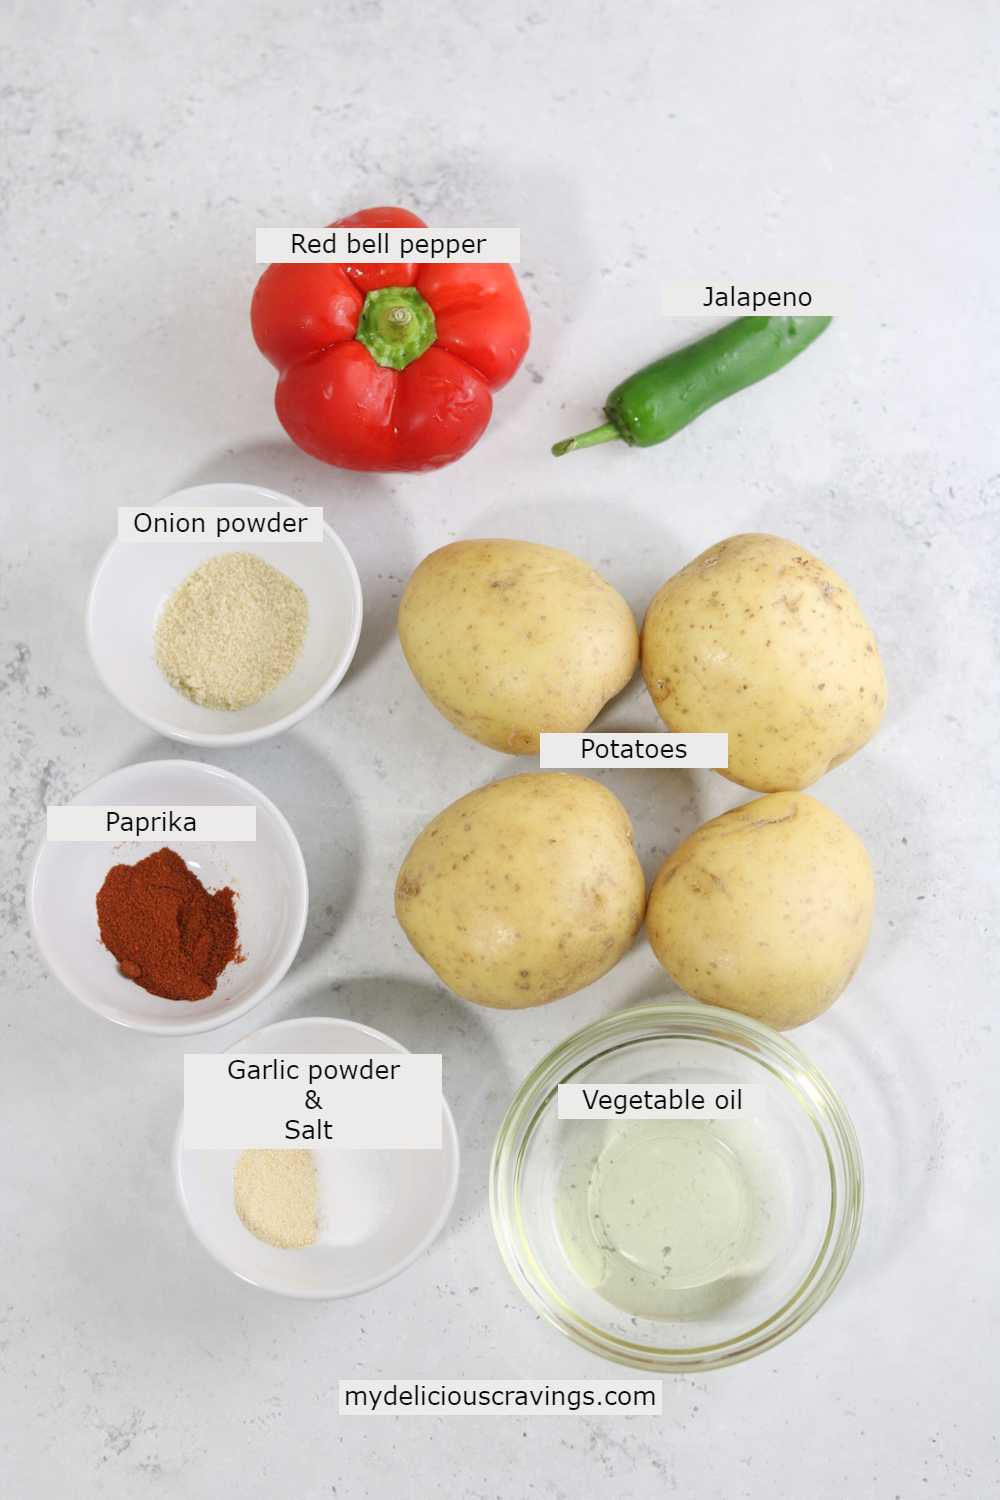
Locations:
(169, 934)
(388, 367)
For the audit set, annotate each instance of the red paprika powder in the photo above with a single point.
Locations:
(169, 934)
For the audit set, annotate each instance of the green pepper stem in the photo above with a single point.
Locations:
(606, 433)
(396, 326)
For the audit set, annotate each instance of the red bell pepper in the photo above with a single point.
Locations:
(389, 367)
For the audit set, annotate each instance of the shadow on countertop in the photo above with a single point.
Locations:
(314, 796)
(361, 508)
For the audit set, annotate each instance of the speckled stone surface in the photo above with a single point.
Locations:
(681, 143)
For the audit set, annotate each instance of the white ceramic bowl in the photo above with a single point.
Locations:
(268, 875)
(134, 580)
(397, 1202)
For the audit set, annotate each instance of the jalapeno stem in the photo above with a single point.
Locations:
(606, 433)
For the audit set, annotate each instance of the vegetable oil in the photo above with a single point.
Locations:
(663, 1217)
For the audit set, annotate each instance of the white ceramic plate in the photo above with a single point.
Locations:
(134, 580)
(269, 877)
(380, 1210)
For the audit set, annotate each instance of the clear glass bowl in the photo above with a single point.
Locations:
(762, 1208)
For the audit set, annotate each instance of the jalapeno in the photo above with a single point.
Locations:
(658, 401)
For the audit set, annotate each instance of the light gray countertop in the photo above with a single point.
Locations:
(634, 148)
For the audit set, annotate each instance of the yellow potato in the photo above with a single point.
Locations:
(508, 639)
(765, 910)
(523, 891)
(761, 640)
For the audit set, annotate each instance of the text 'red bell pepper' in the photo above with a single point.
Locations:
(389, 367)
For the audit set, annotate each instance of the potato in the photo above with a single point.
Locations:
(523, 891)
(765, 910)
(760, 639)
(508, 639)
